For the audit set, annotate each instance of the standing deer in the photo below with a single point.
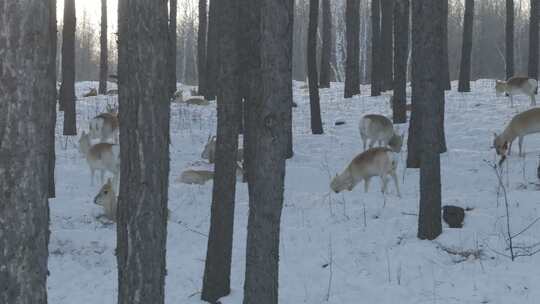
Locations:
(374, 127)
(515, 86)
(200, 177)
(102, 157)
(105, 126)
(209, 151)
(522, 124)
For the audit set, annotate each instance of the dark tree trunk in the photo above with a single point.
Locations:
(326, 53)
(533, 40)
(466, 48)
(67, 89)
(103, 58)
(352, 65)
(144, 142)
(172, 46)
(266, 177)
(25, 102)
(401, 51)
(217, 272)
(445, 75)
(212, 53)
(509, 28)
(314, 102)
(52, 108)
(376, 64)
(428, 97)
(201, 46)
(387, 10)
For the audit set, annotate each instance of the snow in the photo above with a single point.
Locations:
(362, 245)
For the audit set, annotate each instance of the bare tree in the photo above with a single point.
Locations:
(352, 66)
(104, 61)
(144, 153)
(401, 50)
(173, 7)
(53, 41)
(211, 69)
(387, 14)
(376, 60)
(201, 45)
(509, 38)
(326, 53)
(466, 49)
(25, 101)
(67, 89)
(445, 74)
(533, 40)
(314, 102)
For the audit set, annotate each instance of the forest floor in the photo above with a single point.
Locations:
(348, 248)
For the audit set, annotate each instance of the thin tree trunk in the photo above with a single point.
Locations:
(67, 89)
(509, 38)
(314, 102)
(387, 10)
(173, 7)
(401, 48)
(212, 53)
(25, 103)
(376, 68)
(466, 48)
(144, 142)
(533, 40)
(326, 53)
(266, 177)
(445, 64)
(352, 65)
(52, 108)
(201, 46)
(217, 271)
(428, 98)
(103, 55)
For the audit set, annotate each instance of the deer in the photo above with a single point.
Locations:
(515, 86)
(102, 157)
(105, 126)
(520, 125)
(197, 100)
(179, 96)
(209, 151)
(200, 177)
(380, 161)
(374, 127)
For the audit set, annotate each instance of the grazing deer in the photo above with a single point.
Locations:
(102, 156)
(517, 85)
(200, 177)
(522, 124)
(105, 126)
(373, 162)
(106, 198)
(374, 127)
(209, 151)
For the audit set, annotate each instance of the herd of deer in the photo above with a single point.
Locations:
(379, 161)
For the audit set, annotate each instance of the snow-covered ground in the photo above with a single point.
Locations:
(348, 248)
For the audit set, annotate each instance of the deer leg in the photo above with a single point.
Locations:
(364, 141)
(384, 182)
(102, 176)
(91, 177)
(510, 147)
(520, 145)
(533, 100)
(366, 184)
(394, 177)
(371, 143)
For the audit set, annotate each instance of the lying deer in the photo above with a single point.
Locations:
(197, 100)
(373, 162)
(200, 177)
(209, 151)
(522, 124)
(105, 126)
(102, 157)
(374, 127)
(517, 85)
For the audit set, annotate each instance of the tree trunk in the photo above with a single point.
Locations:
(352, 65)
(314, 102)
(326, 54)
(533, 40)
(103, 58)
(266, 177)
(25, 102)
(376, 64)
(201, 46)
(67, 89)
(212, 53)
(172, 46)
(401, 49)
(466, 48)
(217, 272)
(144, 151)
(387, 10)
(509, 38)
(428, 96)
(52, 108)
(445, 75)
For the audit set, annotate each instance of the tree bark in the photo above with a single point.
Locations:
(217, 272)
(466, 48)
(25, 103)
(314, 99)
(103, 58)
(509, 28)
(326, 53)
(52, 107)
(401, 50)
(428, 99)
(352, 65)
(387, 10)
(533, 40)
(201, 46)
(266, 177)
(144, 142)
(173, 7)
(376, 68)
(445, 81)
(67, 89)
(212, 52)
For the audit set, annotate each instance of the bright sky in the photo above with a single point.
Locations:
(92, 8)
